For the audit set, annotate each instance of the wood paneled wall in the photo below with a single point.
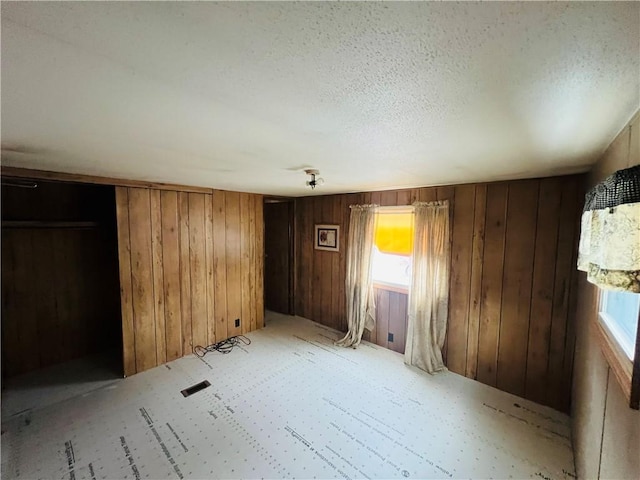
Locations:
(512, 286)
(60, 298)
(190, 265)
(605, 431)
(391, 318)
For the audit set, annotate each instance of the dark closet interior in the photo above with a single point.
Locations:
(60, 281)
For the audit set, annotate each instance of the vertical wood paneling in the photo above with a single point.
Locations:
(570, 337)
(504, 271)
(427, 194)
(492, 283)
(210, 282)
(75, 294)
(462, 234)
(185, 273)
(475, 282)
(404, 197)
(391, 313)
(561, 291)
(605, 432)
(63, 286)
(397, 320)
(382, 318)
(220, 265)
(77, 257)
(245, 263)
(326, 266)
(516, 293)
(389, 198)
(158, 275)
(198, 271)
(9, 304)
(46, 302)
(192, 258)
(171, 274)
(259, 244)
(59, 283)
(126, 293)
(303, 254)
(317, 272)
(28, 327)
(60, 287)
(446, 193)
(253, 265)
(142, 278)
(542, 288)
(234, 260)
(336, 290)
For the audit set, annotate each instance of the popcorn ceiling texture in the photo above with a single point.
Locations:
(244, 96)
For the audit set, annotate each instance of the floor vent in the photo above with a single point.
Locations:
(195, 388)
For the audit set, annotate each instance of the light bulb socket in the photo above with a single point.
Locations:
(315, 180)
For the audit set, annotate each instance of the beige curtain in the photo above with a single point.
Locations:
(429, 294)
(359, 287)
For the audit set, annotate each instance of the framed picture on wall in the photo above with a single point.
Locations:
(327, 238)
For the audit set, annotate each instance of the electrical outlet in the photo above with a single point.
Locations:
(390, 337)
(237, 322)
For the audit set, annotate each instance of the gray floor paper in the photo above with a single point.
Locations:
(290, 405)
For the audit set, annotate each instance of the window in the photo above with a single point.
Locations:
(619, 312)
(617, 332)
(393, 244)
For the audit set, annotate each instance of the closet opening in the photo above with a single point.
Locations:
(61, 320)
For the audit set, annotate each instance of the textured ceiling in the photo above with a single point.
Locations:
(244, 96)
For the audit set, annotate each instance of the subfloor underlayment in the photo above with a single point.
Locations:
(290, 405)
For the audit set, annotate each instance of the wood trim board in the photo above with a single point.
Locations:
(16, 172)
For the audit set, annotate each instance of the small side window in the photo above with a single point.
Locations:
(619, 312)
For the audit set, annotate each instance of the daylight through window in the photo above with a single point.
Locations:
(393, 247)
(619, 312)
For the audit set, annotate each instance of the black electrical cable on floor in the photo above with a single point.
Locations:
(224, 347)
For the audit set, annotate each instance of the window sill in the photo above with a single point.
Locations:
(627, 373)
(391, 287)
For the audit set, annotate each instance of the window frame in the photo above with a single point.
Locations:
(626, 371)
(391, 287)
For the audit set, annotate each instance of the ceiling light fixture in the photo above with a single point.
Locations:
(315, 179)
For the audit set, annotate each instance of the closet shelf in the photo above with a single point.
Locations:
(47, 224)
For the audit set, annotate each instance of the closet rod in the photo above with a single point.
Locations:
(47, 224)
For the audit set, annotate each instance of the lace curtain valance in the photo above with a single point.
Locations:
(609, 248)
